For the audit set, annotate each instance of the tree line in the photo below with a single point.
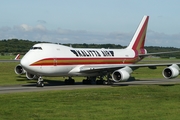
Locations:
(15, 46)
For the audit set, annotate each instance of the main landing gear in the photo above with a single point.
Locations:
(99, 80)
(88, 80)
(40, 82)
(69, 81)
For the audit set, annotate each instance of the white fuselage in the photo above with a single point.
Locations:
(46, 59)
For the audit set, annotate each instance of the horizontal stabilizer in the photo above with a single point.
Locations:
(158, 53)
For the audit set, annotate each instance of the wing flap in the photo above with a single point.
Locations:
(99, 68)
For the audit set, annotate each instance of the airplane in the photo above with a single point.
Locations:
(49, 59)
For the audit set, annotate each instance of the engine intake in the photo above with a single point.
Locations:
(171, 71)
(31, 76)
(19, 70)
(122, 74)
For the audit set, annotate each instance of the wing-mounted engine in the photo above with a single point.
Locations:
(171, 71)
(122, 74)
(19, 70)
(31, 76)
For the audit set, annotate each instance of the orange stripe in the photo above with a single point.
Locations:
(84, 61)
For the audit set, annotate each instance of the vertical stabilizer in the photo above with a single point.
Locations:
(17, 57)
(138, 40)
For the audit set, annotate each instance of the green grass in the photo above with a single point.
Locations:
(130, 102)
(7, 57)
(8, 76)
(146, 73)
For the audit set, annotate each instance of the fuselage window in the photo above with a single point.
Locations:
(36, 48)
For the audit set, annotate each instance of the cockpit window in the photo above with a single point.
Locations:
(36, 48)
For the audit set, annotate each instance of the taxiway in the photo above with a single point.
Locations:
(33, 88)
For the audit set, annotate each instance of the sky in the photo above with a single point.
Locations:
(90, 21)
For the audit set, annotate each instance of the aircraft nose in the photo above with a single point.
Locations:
(24, 62)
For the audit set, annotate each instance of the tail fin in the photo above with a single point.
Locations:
(138, 40)
(17, 57)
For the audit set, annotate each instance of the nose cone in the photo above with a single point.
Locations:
(25, 63)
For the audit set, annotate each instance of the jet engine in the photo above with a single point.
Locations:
(19, 70)
(31, 76)
(171, 71)
(122, 74)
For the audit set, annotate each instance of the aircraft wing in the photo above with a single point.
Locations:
(158, 53)
(133, 66)
(115, 67)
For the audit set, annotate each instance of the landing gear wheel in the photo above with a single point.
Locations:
(100, 82)
(40, 82)
(89, 80)
(109, 82)
(86, 82)
(69, 81)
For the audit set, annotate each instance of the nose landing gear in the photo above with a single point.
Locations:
(40, 82)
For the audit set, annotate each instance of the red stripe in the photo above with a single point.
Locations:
(140, 35)
(83, 61)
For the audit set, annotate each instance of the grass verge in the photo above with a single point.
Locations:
(130, 102)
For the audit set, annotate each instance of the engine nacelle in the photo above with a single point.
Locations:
(171, 71)
(19, 70)
(122, 74)
(31, 76)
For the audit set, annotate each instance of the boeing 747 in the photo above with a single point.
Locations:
(47, 59)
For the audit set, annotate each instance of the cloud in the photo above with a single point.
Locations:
(40, 27)
(28, 28)
(25, 27)
(59, 35)
(163, 39)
